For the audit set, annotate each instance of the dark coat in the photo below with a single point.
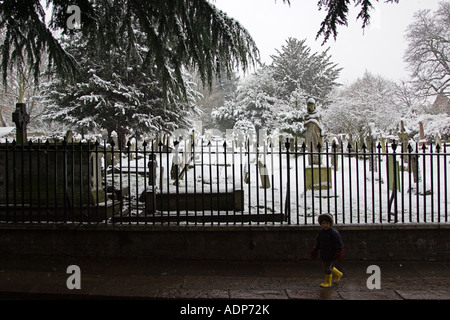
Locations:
(328, 242)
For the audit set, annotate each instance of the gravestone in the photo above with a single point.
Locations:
(152, 167)
(264, 175)
(422, 139)
(393, 172)
(383, 143)
(57, 181)
(413, 166)
(132, 148)
(403, 136)
(53, 181)
(335, 149)
(69, 136)
(438, 142)
(371, 144)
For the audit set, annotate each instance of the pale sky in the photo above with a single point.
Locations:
(379, 49)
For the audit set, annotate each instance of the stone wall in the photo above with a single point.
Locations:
(393, 242)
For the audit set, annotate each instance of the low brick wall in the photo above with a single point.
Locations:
(393, 242)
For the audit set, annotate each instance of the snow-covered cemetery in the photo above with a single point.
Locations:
(152, 130)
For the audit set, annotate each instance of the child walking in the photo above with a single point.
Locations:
(330, 245)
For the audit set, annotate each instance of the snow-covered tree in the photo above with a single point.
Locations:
(370, 99)
(181, 32)
(185, 33)
(296, 67)
(118, 94)
(428, 50)
(214, 97)
(274, 97)
(432, 124)
(255, 101)
(337, 13)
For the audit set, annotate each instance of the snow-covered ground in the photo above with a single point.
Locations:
(357, 194)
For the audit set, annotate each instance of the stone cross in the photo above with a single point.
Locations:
(21, 118)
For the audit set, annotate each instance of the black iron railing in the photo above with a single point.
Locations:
(218, 182)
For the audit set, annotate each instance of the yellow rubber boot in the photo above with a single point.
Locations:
(327, 282)
(336, 275)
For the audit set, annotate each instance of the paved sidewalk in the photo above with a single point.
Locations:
(46, 277)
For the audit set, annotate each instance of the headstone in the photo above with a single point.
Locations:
(246, 175)
(264, 174)
(403, 136)
(413, 166)
(335, 149)
(21, 118)
(105, 135)
(69, 136)
(393, 174)
(152, 165)
(350, 144)
(383, 143)
(72, 191)
(115, 139)
(176, 163)
(132, 148)
(394, 186)
(438, 142)
(422, 140)
(318, 179)
(292, 144)
(370, 143)
(116, 155)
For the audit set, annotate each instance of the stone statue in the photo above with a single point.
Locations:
(313, 134)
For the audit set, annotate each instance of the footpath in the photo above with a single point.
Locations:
(38, 277)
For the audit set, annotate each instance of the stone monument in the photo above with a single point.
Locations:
(313, 133)
(403, 137)
(422, 139)
(371, 140)
(318, 176)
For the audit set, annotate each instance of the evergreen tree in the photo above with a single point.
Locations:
(214, 97)
(255, 101)
(190, 33)
(180, 32)
(337, 12)
(296, 67)
(274, 97)
(117, 94)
